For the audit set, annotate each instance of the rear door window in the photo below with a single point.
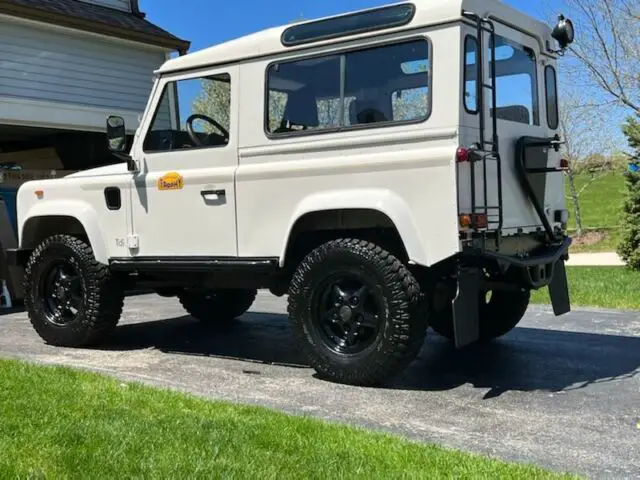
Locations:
(516, 82)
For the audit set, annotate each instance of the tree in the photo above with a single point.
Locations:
(606, 51)
(602, 70)
(583, 127)
(629, 247)
(214, 101)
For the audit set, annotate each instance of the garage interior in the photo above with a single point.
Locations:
(35, 153)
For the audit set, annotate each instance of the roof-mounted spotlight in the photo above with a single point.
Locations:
(564, 33)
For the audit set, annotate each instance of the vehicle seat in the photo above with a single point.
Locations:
(515, 113)
(301, 113)
(366, 111)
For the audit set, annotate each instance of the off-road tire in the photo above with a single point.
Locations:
(103, 296)
(405, 320)
(501, 314)
(219, 306)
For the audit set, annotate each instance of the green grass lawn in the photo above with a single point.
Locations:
(601, 202)
(609, 242)
(60, 423)
(604, 287)
(601, 205)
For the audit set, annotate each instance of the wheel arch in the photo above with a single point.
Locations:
(66, 218)
(372, 211)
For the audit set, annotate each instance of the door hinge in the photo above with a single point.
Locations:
(133, 241)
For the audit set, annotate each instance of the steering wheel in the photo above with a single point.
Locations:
(198, 116)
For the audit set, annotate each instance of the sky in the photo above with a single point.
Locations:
(208, 22)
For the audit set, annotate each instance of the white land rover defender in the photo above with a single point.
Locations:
(390, 170)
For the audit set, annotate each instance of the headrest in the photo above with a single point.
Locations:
(514, 113)
(366, 111)
(302, 109)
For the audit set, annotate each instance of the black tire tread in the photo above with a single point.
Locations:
(222, 307)
(104, 300)
(409, 328)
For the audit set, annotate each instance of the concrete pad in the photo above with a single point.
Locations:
(606, 259)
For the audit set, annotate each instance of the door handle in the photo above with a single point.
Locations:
(212, 193)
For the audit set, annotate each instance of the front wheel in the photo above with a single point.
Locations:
(355, 311)
(72, 300)
(500, 311)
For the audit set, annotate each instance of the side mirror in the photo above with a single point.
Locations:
(564, 33)
(116, 134)
(117, 141)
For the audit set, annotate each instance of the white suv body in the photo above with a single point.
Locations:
(367, 126)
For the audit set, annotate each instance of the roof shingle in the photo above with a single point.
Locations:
(79, 14)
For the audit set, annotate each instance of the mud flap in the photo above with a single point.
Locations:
(559, 290)
(466, 316)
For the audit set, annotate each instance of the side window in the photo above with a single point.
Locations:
(192, 113)
(470, 74)
(551, 83)
(516, 82)
(388, 84)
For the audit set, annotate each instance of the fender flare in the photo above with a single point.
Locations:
(382, 200)
(76, 209)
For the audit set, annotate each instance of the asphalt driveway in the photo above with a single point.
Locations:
(562, 393)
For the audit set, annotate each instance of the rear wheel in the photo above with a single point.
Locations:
(354, 309)
(72, 300)
(500, 311)
(219, 306)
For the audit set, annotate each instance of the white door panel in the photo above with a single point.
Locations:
(183, 200)
(521, 106)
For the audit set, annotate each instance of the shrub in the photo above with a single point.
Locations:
(629, 246)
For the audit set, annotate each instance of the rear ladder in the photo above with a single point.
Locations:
(486, 150)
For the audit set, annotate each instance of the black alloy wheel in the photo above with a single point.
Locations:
(350, 313)
(357, 312)
(72, 299)
(63, 293)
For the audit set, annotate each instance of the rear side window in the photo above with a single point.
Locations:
(383, 85)
(551, 82)
(471, 74)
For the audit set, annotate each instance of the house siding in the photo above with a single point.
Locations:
(117, 4)
(60, 66)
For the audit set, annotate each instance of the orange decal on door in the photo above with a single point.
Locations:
(171, 181)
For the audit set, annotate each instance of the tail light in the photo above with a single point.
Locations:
(479, 221)
(564, 164)
(463, 155)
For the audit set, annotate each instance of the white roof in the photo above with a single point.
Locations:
(428, 12)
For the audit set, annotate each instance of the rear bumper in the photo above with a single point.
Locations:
(534, 270)
(544, 268)
(543, 256)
